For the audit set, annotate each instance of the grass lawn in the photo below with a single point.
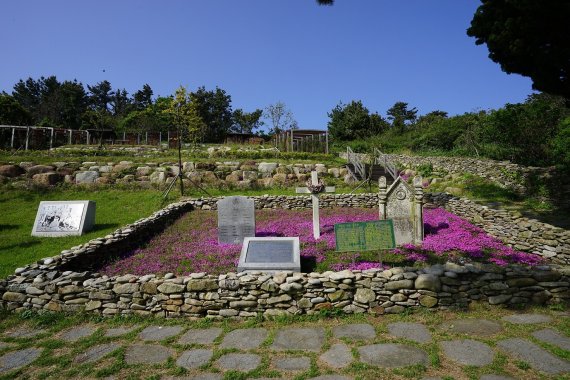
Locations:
(115, 208)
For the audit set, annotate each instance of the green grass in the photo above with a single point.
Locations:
(115, 208)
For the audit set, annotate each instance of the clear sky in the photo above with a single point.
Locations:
(262, 51)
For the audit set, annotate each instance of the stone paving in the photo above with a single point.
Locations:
(315, 350)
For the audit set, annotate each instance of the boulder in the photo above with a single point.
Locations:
(11, 170)
(267, 168)
(38, 169)
(86, 177)
(428, 282)
(47, 179)
(249, 175)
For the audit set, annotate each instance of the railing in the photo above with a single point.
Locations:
(382, 159)
(355, 160)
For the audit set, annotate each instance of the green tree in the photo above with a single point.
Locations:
(120, 103)
(401, 115)
(215, 110)
(12, 112)
(527, 37)
(185, 117)
(28, 94)
(354, 121)
(101, 96)
(143, 98)
(246, 122)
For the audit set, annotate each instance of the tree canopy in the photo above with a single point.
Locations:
(527, 37)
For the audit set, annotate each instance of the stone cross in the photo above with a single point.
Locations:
(315, 201)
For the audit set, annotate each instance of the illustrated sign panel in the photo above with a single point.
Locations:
(64, 218)
(236, 219)
(364, 236)
(270, 254)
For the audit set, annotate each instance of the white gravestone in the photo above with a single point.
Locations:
(270, 254)
(236, 219)
(403, 204)
(315, 201)
(64, 218)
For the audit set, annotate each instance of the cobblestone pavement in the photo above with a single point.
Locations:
(514, 346)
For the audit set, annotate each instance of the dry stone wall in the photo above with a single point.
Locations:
(70, 282)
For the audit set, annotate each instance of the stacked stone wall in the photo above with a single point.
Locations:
(69, 281)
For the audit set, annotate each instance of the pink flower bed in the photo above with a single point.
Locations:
(190, 244)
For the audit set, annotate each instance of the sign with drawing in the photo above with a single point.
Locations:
(64, 218)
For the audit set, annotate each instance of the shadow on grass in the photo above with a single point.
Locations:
(24, 244)
(6, 227)
(103, 226)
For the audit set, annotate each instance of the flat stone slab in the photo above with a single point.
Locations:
(292, 364)
(239, 362)
(17, 359)
(118, 331)
(200, 336)
(356, 331)
(553, 337)
(156, 333)
(202, 376)
(95, 353)
(194, 358)
(24, 332)
(77, 333)
(527, 319)
(331, 377)
(244, 339)
(338, 356)
(478, 327)
(306, 339)
(468, 352)
(496, 377)
(535, 356)
(411, 331)
(147, 354)
(392, 355)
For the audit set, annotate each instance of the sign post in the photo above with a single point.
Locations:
(376, 235)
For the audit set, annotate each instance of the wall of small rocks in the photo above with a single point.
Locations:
(70, 282)
(245, 175)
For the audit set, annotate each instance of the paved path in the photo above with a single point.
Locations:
(512, 347)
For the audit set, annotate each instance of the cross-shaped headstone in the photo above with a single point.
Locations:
(315, 200)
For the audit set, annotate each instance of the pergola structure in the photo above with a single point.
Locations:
(302, 140)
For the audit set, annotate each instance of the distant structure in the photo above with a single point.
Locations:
(243, 138)
(302, 140)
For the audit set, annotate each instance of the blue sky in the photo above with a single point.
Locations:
(263, 51)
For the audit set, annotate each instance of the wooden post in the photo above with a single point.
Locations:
(51, 138)
(27, 136)
(12, 140)
(327, 142)
(70, 139)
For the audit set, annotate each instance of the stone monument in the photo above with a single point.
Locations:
(314, 187)
(403, 204)
(64, 218)
(236, 219)
(270, 254)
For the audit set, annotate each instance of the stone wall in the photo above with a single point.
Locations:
(69, 281)
(245, 175)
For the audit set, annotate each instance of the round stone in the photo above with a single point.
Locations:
(76, 333)
(478, 327)
(527, 319)
(292, 364)
(194, 358)
(155, 333)
(239, 362)
(468, 352)
(412, 331)
(147, 354)
(244, 339)
(392, 355)
(309, 339)
(338, 356)
(200, 336)
(16, 359)
(95, 353)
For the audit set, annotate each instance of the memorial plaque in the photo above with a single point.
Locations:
(236, 219)
(364, 236)
(270, 254)
(64, 218)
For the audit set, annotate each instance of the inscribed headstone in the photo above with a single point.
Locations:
(236, 219)
(403, 204)
(270, 254)
(364, 236)
(64, 218)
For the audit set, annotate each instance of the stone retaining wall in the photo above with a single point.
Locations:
(69, 281)
(243, 175)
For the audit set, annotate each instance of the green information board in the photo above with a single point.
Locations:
(364, 236)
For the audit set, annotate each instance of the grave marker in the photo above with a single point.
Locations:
(403, 204)
(236, 219)
(64, 218)
(270, 254)
(315, 200)
(364, 236)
